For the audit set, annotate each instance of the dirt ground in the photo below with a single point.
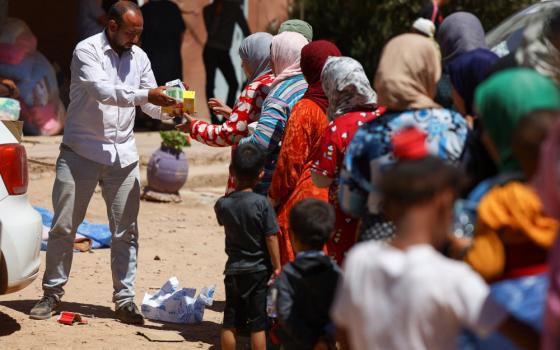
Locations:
(185, 237)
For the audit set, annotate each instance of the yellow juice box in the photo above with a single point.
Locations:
(184, 105)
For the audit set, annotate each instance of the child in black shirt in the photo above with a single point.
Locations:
(305, 289)
(252, 248)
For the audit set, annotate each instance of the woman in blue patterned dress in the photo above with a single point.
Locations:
(406, 82)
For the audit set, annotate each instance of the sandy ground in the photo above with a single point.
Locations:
(184, 236)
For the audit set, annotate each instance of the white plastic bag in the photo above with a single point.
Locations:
(177, 305)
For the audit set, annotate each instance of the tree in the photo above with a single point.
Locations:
(361, 28)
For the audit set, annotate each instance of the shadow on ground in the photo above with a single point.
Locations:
(206, 332)
(217, 306)
(8, 325)
(97, 311)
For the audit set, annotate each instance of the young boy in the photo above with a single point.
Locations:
(252, 248)
(406, 295)
(305, 289)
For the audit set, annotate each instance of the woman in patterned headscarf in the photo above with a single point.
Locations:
(406, 85)
(352, 103)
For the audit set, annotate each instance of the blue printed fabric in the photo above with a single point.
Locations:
(524, 298)
(370, 152)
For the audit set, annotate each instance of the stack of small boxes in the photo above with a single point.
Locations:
(185, 98)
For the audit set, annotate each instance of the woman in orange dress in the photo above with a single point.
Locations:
(291, 181)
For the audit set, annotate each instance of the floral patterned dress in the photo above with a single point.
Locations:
(328, 162)
(247, 110)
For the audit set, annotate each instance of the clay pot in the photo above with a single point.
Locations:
(168, 170)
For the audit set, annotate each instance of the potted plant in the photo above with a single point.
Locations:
(168, 168)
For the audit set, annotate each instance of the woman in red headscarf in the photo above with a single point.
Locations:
(291, 181)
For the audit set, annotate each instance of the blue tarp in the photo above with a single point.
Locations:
(99, 234)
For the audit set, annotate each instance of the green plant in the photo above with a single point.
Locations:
(175, 140)
(361, 28)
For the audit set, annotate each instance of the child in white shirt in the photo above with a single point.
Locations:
(406, 295)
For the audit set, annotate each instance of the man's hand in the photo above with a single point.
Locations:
(186, 126)
(219, 108)
(158, 97)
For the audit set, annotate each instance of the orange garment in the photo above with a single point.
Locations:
(291, 181)
(512, 232)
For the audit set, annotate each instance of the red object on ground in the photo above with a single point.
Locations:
(69, 318)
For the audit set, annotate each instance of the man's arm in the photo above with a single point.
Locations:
(96, 82)
(148, 81)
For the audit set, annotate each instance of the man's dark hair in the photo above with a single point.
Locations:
(248, 162)
(312, 222)
(119, 8)
(411, 182)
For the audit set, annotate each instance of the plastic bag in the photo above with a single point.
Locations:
(177, 305)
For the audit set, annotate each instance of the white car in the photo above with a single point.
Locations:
(20, 224)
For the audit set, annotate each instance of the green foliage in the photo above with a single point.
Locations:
(175, 140)
(361, 28)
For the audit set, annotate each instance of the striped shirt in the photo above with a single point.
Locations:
(270, 130)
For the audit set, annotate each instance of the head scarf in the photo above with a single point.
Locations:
(507, 97)
(424, 26)
(468, 71)
(285, 54)
(313, 58)
(347, 87)
(460, 33)
(255, 51)
(297, 26)
(408, 73)
(538, 52)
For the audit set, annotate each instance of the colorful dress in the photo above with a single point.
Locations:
(276, 110)
(328, 162)
(247, 110)
(447, 134)
(291, 181)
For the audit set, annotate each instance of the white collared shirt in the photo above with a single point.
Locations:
(104, 91)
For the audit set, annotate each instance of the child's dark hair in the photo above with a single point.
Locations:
(248, 162)
(411, 182)
(530, 132)
(312, 222)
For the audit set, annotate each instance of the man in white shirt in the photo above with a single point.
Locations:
(110, 77)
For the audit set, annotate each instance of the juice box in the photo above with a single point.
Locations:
(185, 101)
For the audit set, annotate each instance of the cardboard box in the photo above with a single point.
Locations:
(15, 127)
(184, 106)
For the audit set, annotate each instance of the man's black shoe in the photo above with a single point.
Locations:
(129, 313)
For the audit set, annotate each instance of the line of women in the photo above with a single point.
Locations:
(327, 135)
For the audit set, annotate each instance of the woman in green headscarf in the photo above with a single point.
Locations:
(297, 26)
(513, 234)
(504, 100)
